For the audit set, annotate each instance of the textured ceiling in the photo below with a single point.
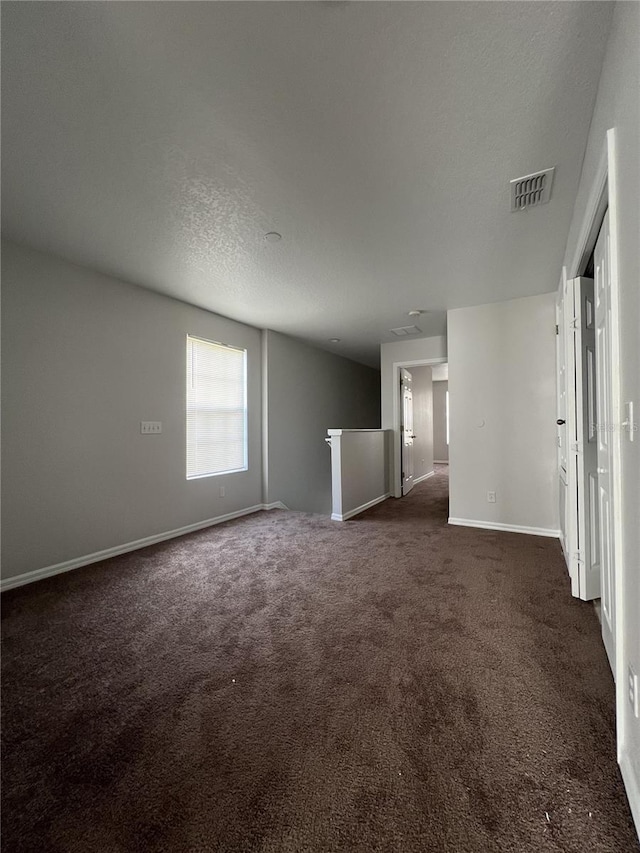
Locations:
(158, 142)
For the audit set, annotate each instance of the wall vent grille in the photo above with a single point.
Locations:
(531, 190)
(403, 331)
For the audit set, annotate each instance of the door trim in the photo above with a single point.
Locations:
(603, 194)
(397, 440)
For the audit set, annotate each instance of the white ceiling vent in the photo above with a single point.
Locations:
(531, 190)
(403, 331)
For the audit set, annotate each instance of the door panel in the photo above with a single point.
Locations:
(406, 391)
(603, 428)
(562, 497)
(585, 449)
(567, 431)
(561, 412)
(577, 438)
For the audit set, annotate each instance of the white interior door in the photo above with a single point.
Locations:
(567, 428)
(577, 456)
(603, 428)
(406, 398)
(561, 412)
(588, 527)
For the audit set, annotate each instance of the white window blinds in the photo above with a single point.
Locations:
(216, 408)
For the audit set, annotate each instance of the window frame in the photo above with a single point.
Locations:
(245, 354)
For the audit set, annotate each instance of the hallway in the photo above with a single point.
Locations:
(288, 684)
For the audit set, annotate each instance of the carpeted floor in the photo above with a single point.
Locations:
(288, 684)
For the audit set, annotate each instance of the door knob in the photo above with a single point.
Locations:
(560, 422)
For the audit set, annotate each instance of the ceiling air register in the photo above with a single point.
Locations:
(531, 190)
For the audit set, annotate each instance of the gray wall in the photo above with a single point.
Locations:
(502, 404)
(440, 446)
(85, 358)
(618, 106)
(308, 391)
(422, 421)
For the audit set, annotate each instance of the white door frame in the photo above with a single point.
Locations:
(603, 194)
(562, 412)
(397, 438)
(571, 497)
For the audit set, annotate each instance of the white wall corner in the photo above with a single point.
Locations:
(632, 785)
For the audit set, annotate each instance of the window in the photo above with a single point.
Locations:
(216, 408)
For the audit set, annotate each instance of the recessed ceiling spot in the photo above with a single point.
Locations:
(334, 340)
(403, 331)
(416, 312)
(272, 237)
(531, 190)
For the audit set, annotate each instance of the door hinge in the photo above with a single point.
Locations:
(557, 330)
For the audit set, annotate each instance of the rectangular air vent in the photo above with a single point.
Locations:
(403, 331)
(531, 190)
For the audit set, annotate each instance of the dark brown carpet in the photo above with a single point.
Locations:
(288, 683)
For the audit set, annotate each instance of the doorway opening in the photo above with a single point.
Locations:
(587, 411)
(422, 423)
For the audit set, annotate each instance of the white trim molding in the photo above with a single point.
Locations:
(423, 477)
(338, 517)
(117, 550)
(440, 461)
(604, 192)
(507, 528)
(622, 707)
(596, 206)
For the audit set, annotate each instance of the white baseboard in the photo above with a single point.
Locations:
(336, 517)
(440, 461)
(77, 562)
(275, 505)
(424, 477)
(632, 786)
(508, 528)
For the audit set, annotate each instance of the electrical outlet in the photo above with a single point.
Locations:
(150, 427)
(632, 683)
(221, 491)
(491, 497)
